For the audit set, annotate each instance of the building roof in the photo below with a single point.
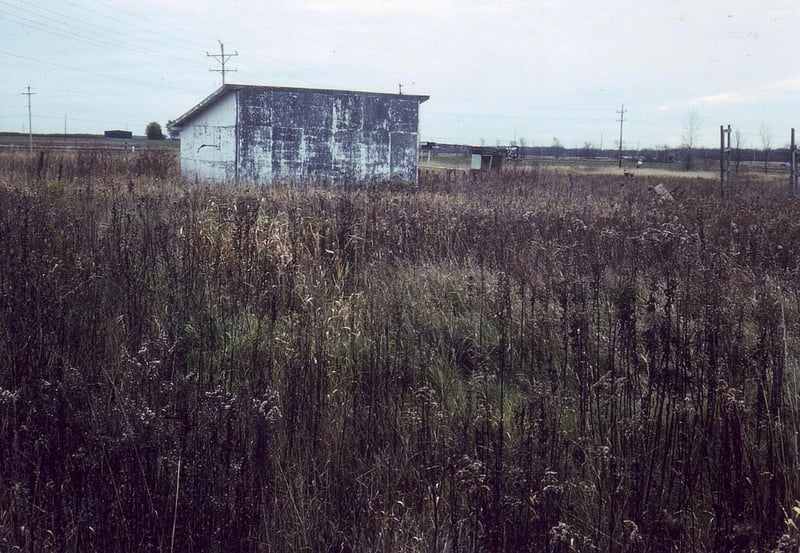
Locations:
(226, 88)
(488, 150)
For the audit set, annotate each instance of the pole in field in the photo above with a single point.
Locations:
(725, 160)
(793, 167)
(621, 121)
(30, 118)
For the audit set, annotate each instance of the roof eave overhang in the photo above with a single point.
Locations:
(178, 124)
(212, 98)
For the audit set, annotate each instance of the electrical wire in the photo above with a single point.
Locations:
(78, 30)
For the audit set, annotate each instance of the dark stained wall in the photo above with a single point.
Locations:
(326, 136)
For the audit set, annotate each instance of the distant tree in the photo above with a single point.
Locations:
(690, 130)
(588, 150)
(557, 148)
(664, 153)
(153, 131)
(173, 132)
(522, 145)
(738, 144)
(766, 143)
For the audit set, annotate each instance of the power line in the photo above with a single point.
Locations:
(171, 35)
(96, 73)
(99, 29)
(180, 36)
(61, 21)
(157, 37)
(65, 26)
(292, 76)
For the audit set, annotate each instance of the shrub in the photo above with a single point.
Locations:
(153, 131)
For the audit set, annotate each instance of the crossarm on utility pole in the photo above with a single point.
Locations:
(222, 58)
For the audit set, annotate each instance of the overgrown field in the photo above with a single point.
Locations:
(532, 362)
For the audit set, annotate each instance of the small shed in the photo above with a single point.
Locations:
(266, 134)
(487, 159)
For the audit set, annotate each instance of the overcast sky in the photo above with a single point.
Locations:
(494, 70)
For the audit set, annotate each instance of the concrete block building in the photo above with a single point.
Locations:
(264, 134)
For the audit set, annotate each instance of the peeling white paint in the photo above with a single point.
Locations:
(261, 135)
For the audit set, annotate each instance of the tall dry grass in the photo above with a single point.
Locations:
(530, 362)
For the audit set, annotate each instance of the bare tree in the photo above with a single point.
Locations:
(588, 149)
(522, 145)
(663, 153)
(766, 143)
(738, 144)
(690, 131)
(557, 147)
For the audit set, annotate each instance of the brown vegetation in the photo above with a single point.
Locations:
(521, 363)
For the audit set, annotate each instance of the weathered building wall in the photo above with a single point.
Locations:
(208, 144)
(261, 135)
(302, 135)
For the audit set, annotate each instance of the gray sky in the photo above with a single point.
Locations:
(495, 70)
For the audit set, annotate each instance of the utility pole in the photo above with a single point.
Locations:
(400, 88)
(725, 160)
(222, 58)
(621, 121)
(793, 167)
(30, 128)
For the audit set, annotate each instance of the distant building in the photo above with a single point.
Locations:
(265, 134)
(487, 159)
(427, 149)
(118, 134)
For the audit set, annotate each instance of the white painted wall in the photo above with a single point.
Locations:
(208, 144)
(476, 162)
